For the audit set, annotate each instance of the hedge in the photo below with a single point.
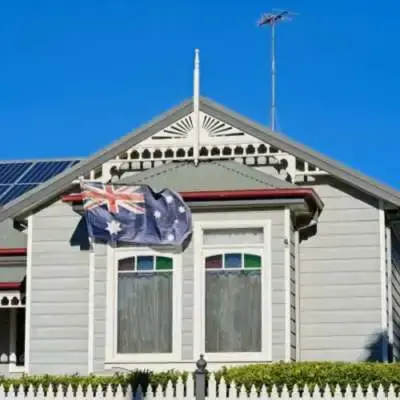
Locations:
(279, 374)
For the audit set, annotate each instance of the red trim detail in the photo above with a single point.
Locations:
(13, 252)
(10, 285)
(307, 194)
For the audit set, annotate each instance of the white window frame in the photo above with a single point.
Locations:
(114, 359)
(265, 355)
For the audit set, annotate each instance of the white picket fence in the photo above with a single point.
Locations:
(185, 391)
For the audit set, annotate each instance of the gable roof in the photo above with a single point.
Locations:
(207, 176)
(46, 192)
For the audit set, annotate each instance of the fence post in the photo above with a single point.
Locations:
(200, 378)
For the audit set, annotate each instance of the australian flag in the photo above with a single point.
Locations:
(135, 214)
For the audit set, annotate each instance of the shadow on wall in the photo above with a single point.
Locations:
(376, 348)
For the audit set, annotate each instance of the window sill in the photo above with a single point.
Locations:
(122, 359)
(237, 357)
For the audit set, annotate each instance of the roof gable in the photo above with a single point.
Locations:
(237, 123)
(336, 169)
(207, 176)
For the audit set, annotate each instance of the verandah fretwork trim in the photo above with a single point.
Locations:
(12, 300)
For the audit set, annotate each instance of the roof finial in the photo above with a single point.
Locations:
(196, 107)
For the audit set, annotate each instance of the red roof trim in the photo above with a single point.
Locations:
(13, 252)
(252, 194)
(10, 285)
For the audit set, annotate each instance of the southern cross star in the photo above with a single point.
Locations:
(113, 227)
(169, 199)
(157, 214)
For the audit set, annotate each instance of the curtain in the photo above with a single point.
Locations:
(233, 311)
(144, 313)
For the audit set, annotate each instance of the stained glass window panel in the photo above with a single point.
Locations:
(145, 263)
(163, 263)
(214, 262)
(252, 261)
(233, 260)
(126, 264)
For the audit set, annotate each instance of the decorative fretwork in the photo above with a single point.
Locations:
(180, 129)
(214, 127)
(210, 127)
(218, 141)
(12, 299)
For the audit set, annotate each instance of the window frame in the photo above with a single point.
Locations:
(265, 355)
(112, 356)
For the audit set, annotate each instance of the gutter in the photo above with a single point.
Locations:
(309, 196)
(13, 252)
(10, 285)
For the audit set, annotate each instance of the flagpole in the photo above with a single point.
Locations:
(196, 107)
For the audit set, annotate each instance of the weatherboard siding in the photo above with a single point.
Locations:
(100, 307)
(59, 297)
(395, 251)
(340, 279)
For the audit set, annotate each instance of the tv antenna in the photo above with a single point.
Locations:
(272, 19)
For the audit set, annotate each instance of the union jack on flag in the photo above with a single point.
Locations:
(135, 214)
(127, 197)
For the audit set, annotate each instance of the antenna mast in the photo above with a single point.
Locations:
(271, 19)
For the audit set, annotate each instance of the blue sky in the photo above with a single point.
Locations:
(76, 75)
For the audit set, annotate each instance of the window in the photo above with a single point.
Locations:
(233, 303)
(144, 316)
(234, 291)
(144, 298)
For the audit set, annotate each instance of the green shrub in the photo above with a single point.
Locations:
(279, 374)
(312, 373)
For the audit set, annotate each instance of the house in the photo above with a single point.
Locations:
(293, 256)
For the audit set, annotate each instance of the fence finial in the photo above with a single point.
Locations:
(201, 365)
(200, 378)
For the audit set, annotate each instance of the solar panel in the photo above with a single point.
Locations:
(44, 170)
(15, 192)
(10, 172)
(17, 178)
(3, 189)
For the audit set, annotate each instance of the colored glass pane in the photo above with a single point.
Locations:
(252, 261)
(163, 263)
(214, 262)
(233, 260)
(145, 263)
(126, 264)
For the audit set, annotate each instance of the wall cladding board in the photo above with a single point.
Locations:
(340, 278)
(59, 303)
